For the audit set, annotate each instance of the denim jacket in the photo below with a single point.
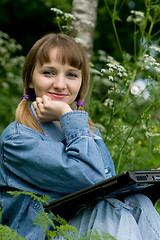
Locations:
(57, 163)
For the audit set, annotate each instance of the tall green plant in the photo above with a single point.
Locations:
(124, 111)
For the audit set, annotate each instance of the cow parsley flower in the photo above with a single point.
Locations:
(110, 78)
(58, 11)
(69, 16)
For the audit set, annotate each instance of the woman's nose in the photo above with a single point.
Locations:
(59, 82)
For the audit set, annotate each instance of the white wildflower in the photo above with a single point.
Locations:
(148, 62)
(157, 69)
(149, 59)
(138, 87)
(110, 70)
(138, 19)
(69, 16)
(130, 140)
(147, 67)
(115, 66)
(137, 16)
(108, 102)
(157, 64)
(119, 74)
(150, 134)
(154, 47)
(135, 90)
(121, 68)
(125, 74)
(56, 10)
(110, 78)
(103, 70)
(109, 65)
(129, 18)
(137, 13)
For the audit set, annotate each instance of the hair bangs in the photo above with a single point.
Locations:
(68, 52)
(70, 55)
(43, 54)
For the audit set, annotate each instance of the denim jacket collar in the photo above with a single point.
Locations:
(50, 129)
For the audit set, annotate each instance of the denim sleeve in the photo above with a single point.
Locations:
(54, 166)
(107, 159)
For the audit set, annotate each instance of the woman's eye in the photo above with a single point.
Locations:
(72, 75)
(49, 73)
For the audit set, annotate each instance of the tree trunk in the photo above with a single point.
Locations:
(85, 12)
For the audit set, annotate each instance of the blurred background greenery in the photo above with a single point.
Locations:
(26, 21)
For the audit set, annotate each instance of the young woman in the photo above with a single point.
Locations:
(52, 149)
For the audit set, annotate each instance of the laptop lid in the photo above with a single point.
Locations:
(123, 184)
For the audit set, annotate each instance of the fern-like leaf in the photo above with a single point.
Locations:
(6, 233)
(41, 199)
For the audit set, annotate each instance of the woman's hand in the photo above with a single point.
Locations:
(48, 110)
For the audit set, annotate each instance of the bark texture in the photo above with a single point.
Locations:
(85, 12)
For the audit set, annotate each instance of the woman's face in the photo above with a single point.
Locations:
(61, 82)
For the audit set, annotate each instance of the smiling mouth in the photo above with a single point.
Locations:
(58, 95)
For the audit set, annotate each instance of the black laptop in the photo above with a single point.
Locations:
(126, 183)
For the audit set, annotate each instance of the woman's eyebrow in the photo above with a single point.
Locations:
(68, 69)
(48, 67)
(74, 70)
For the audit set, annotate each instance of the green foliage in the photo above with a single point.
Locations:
(64, 5)
(128, 113)
(10, 78)
(63, 20)
(40, 199)
(7, 233)
(26, 21)
(60, 227)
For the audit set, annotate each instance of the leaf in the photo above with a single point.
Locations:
(43, 220)
(116, 17)
(41, 199)
(6, 233)
(58, 219)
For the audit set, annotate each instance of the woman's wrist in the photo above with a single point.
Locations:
(65, 110)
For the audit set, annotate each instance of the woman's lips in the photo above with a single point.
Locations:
(58, 95)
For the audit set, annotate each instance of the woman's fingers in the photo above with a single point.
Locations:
(35, 105)
(48, 110)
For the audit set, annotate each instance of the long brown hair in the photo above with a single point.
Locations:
(69, 52)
